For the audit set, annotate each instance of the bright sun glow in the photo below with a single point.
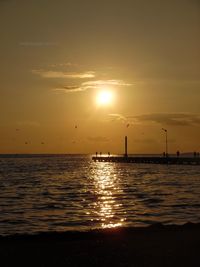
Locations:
(105, 98)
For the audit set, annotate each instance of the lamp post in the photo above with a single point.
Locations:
(166, 141)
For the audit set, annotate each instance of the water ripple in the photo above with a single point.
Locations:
(74, 193)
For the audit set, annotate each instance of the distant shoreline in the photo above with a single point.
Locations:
(18, 155)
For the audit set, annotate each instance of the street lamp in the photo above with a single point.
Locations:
(166, 150)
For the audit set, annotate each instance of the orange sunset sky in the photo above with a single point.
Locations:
(57, 57)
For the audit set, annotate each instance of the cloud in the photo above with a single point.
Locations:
(83, 86)
(100, 83)
(38, 44)
(171, 119)
(117, 117)
(168, 119)
(66, 64)
(92, 85)
(28, 123)
(100, 139)
(121, 118)
(68, 89)
(62, 74)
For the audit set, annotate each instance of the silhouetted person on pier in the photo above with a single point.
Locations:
(195, 154)
(164, 154)
(177, 154)
(96, 154)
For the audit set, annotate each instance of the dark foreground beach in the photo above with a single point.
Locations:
(156, 245)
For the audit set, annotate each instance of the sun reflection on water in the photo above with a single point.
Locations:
(106, 189)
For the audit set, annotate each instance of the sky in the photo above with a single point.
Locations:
(57, 56)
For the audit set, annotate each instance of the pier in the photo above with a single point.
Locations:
(170, 160)
(150, 160)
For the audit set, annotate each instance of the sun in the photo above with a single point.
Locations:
(104, 98)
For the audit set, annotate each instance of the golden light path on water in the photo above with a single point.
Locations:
(107, 189)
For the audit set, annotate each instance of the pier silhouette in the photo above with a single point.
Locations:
(166, 159)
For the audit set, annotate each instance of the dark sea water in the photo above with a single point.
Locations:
(62, 193)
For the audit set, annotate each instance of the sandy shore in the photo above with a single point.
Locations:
(152, 246)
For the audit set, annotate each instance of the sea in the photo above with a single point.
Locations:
(55, 193)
